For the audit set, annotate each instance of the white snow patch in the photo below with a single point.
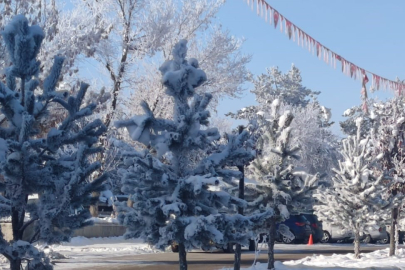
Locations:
(82, 252)
(104, 220)
(375, 260)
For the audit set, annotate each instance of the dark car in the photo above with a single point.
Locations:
(299, 226)
(316, 227)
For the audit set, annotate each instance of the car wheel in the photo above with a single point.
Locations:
(252, 245)
(326, 238)
(385, 240)
(366, 240)
(175, 247)
(287, 240)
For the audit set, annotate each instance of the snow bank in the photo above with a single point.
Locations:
(110, 220)
(82, 252)
(375, 260)
(88, 249)
(109, 245)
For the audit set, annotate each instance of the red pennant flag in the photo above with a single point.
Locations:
(294, 31)
(365, 78)
(377, 81)
(288, 24)
(299, 37)
(352, 70)
(261, 8)
(343, 65)
(270, 14)
(275, 16)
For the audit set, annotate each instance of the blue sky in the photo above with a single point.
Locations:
(367, 33)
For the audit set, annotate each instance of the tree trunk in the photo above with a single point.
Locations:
(272, 237)
(238, 249)
(94, 208)
(357, 244)
(394, 217)
(182, 257)
(238, 255)
(15, 264)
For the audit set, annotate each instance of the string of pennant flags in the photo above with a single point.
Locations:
(271, 15)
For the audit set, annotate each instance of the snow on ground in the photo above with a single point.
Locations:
(90, 251)
(111, 245)
(375, 260)
(104, 220)
(84, 253)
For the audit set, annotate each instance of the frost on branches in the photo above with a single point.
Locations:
(355, 199)
(176, 200)
(280, 186)
(287, 88)
(388, 122)
(71, 33)
(349, 127)
(31, 164)
(311, 123)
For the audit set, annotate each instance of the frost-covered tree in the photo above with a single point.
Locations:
(280, 186)
(384, 123)
(311, 123)
(286, 87)
(34, 164)
(349, 127)
(387, 120)
(318, 145)
(143, 35)
(355, 199)
(175, 198)
(68, 32)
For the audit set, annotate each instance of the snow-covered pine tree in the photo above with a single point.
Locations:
(287, 88)
(31, 164)
(175, 199)
(311, 124)
(355, 199)
(349, 127)
(279, 186)
(240, 143)
(387, 120)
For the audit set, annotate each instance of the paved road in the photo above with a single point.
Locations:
(207, 261)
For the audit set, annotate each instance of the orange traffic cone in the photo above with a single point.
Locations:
(311, 241)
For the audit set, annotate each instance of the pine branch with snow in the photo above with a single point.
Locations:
(387, 121)
(280, 187)
(356, 197)
(35, 165)
(311, 123)
(176, 199)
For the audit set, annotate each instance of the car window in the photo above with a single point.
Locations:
(311, 218)
(302, 218)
